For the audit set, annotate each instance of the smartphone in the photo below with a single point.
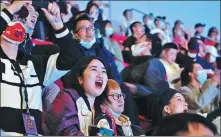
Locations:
(93, 131)
(106, 132)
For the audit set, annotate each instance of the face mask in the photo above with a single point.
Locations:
(180, 33)
(87, 44)
(201, 76)
(116, 115)
(137, 49)
(27, 30)
(182, 26)
(109, 31)
(212, 59)
(149, 23)
(162, 24)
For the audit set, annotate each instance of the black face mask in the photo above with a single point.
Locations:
(26, 46)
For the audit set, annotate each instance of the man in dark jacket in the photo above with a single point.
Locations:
(86, 44)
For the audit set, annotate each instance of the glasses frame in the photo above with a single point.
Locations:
(118, 96)
(86, 29)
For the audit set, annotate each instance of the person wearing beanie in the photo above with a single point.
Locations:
(169, 54)
(23, 77)
(202, 95)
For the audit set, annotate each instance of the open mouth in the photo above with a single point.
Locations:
(99, 83)
(185, 111)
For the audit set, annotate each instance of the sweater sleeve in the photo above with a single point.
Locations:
(5, 18)
(62, 118)
(200, 100)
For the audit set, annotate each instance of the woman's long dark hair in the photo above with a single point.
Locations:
(185, 78)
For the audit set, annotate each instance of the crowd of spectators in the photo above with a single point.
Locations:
(65, 71)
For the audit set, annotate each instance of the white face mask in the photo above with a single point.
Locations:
(212, 59)
(202, 76)
(149, 23)
(180, 33)
(109, 31)
(28, 30)
(138, 49)
(88, 44)
(182, 26)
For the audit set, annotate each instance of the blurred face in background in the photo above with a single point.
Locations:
(169, 55)
(109, 29)
(94, 13)
(199, 30)
(85, 30)
(138, 29)
(157, 23)
(202, 48)
(32, 17)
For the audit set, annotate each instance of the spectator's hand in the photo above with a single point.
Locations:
(66, 17)
(17, 5)
(215, 80)
(132, 88)
(53, 15)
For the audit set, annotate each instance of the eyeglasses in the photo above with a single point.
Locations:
(84, 29)
(118, 96)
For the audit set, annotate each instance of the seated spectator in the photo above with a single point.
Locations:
(179, 35)
(157, 107)
(168, 59)
(202, 49)
(73, 110)
(211, 55)
(112, 45)
(129, 19)
(185, 125)
(202, 95)
(199, 28)
(212, 36)
(111, 104)
(92, 10)
(27, 74)
(193, 55)
(148, 23)
(167, 34)
(137, 32)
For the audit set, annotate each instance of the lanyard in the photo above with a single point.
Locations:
(22, 79)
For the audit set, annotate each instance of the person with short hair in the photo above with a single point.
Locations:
(185, 124)
(199, 28)
(169, 54)
(137, 30)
